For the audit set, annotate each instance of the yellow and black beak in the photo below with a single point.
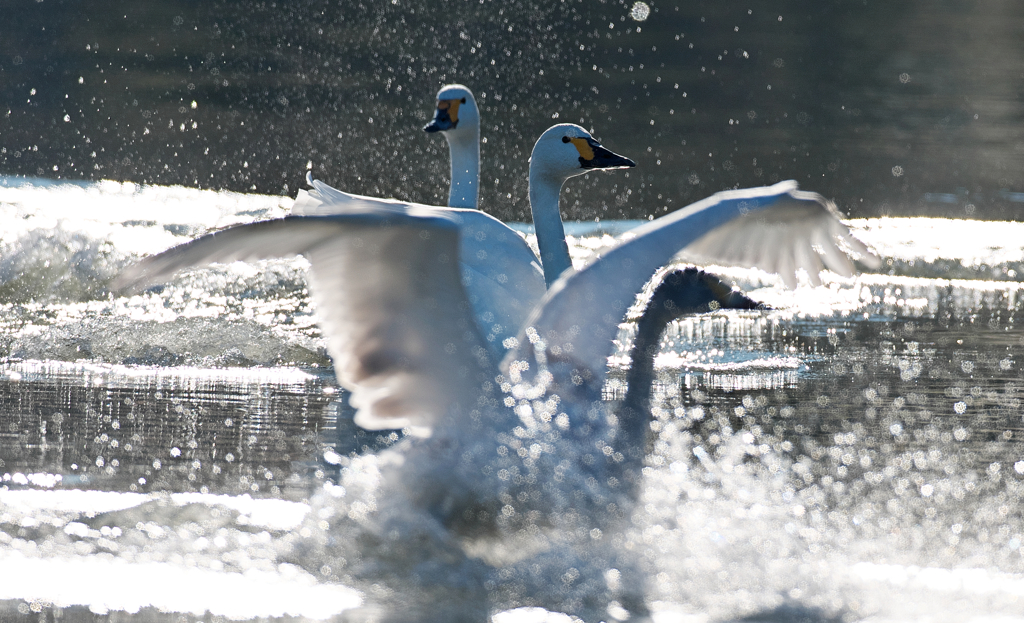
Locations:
(446, 117)
(594, 156)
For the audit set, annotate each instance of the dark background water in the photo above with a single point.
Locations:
(889, 108)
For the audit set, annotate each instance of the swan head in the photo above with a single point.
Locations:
(567, 149)
(456, 112)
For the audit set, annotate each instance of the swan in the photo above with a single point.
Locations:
(519, 451)
(502, 275)
(457, 118)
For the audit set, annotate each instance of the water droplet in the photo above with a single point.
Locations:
(640, 11)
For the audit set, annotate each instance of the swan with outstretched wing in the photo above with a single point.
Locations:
(518, 449)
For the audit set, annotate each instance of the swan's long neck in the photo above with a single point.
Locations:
(547, 221)
(464, 148)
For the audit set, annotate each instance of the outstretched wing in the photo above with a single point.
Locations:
(579, 317)
(800, 231)
(390, 300)
(502, 276)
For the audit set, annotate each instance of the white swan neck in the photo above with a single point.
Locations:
(464, 148)
(547, 222)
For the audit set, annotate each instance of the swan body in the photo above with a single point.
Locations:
(518, 450)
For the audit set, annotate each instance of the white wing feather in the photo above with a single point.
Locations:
(803, 222)
(390, 299)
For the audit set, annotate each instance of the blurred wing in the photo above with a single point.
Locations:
(502, 276)
(580, 316)
(391, 305)
(801, 231)
(252, 242)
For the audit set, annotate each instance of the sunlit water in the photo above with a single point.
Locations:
(856, 453)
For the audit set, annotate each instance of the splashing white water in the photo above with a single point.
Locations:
(734, 521)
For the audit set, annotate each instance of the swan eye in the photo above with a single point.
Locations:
(463, 100)
(565, 139)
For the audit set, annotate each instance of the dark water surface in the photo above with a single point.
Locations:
(888, 108)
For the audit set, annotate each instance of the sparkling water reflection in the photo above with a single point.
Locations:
(163, 429)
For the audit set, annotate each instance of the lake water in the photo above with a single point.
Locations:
(856, 453)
